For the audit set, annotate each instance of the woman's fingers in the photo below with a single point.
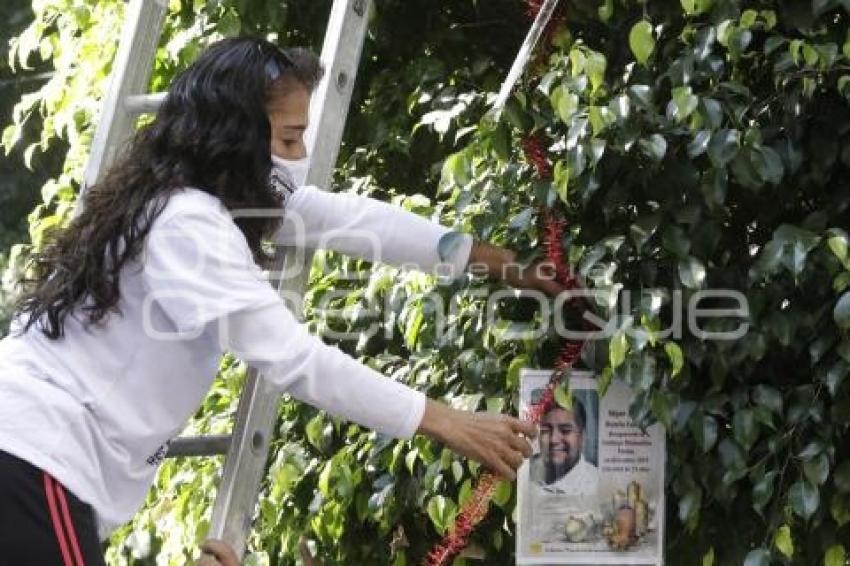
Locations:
(513, 458)
(521, 445)
(509, 449)
(500, 442)
(220, 554)
(501, 468)
(527, 428)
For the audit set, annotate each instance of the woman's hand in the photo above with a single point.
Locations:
(494, 261)
(217, 553)
(499, 442)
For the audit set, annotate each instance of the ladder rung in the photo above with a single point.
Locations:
(144, 103)
(210, 445)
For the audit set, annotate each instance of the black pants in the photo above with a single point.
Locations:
(41, 523)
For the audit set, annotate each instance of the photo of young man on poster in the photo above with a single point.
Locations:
(563, 434)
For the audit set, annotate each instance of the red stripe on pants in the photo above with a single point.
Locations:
(57, 522)
(69, 524)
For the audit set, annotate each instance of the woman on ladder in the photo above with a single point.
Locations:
(126, 311)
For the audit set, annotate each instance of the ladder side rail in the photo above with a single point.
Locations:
(258, 406)
(131, 72)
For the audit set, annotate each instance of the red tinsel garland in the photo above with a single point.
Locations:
(476, 508)
(532, 147)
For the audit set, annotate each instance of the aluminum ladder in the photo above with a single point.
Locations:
(126, 99)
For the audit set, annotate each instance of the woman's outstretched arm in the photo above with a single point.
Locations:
(199, 271)
(370, 229)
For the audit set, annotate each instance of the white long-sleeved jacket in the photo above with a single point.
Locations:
(95, 408)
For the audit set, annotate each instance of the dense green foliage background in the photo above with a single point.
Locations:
(19, 181)
(696, 144)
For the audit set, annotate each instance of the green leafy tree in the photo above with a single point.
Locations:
(21, 176)
(707, 152)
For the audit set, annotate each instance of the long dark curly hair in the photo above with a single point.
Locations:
(211, 133)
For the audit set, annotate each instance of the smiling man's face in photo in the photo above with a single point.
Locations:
(561, 441)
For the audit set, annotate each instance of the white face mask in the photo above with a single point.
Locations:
(294, 169)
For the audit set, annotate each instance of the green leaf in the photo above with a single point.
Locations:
(410, 459)
(708, 557)
(773, 43)
(841, 313)
(804, 499)
(816, 470)
(843, 350)
(563, 397)
(842, 477)
(724, 32)
(767, 164)
(712, 111)
(840, 508)
(838, 245)
(699, 144)
(644, 228)
(704, 431)
(502, 493)
(745, 428)
(325, 479)
(641, 94)
(617, 350)
(314, 431)
(414, 325)
(810, 55)
(732, 456)
(692, 272)
(769, 397)
(723, 147)
(739, 40)
(748, 18)
(811, 450)
(694, 8)
(783, 541)
(606, 10)
(600, 118)
(674, 354)
(604, 381)
(465, 492)
(757, 557)
(763, 491)
(11, 136)
(458, 169)
(641, 41)
(229, 25)
(564, 102)
(845, 49)
(655, 146)
(684, 103)
(596, 64)
(521, 220)
(662, 405)
(835, 556)
(501, 142)
(512, 378)
(689, 504)
(835, 376)
(578, 60)
(442, 511)
(561, 180)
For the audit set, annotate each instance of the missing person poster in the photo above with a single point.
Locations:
(593, 491)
